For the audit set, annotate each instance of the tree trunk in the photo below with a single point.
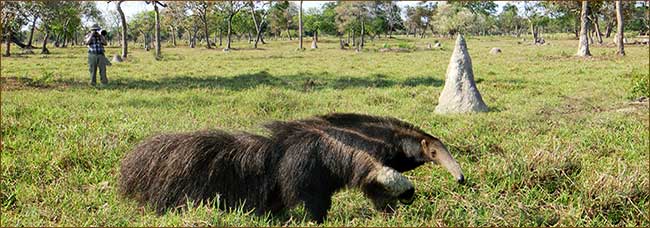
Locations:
(44, 49)
(314, 41)
(193, 38)
(363, 33)
(57, 40)
(288, 32)
(262, 31)
(647, 19)
(533, 31)
(157, 14)
(205, 30)
(349, 36)
(597, 27)
(31, 33)
(65, 40)
(64, 35)
(258, 37)
(229, 34)
(173, 36)
(608, 29)
(146, 42)
(300, 26)
(619, 29)
(576, 29)
(583, 45)
(220, 37)
(124, 30)
(354, 39)
(257, 40)
(250, 37)
(258, 28)
(7, 47)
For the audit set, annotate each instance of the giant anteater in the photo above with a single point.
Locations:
(255, 171)
(395, 143)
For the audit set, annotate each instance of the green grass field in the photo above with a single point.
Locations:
(562, 145)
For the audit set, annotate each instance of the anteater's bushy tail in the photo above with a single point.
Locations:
(166, 170)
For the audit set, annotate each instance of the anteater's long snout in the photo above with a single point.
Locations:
(444, 158)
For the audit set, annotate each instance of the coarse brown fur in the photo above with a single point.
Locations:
(395, 143)
(264, 174)
(166, 170)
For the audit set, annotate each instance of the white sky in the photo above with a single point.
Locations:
(131, 8)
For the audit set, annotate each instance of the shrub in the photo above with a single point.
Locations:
(406, 46)
(640, 85)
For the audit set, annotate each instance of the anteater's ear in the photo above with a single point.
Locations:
(426, 150)
(424, 145)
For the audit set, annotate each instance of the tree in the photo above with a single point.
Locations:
(619, 29)
(327, 22)
(111, 24)
(422, 15)
(418, 18)
(229, 8)
(353, 15)
(63, 18)
(567, 12)
(482, 10)
(220, 25)
(533, 14)
(312, 21)
(125, 43)
(277, 19)
(142, 24)
(393, 15)
(174, 14)
(281, 17)
(11, 22)
(412, 22)
(300, 32)
(202, 9)
(454, 19)
(157, 14)
(509, 20)
(259, 27)
(243, 25)
(583, 45)
(31, 13)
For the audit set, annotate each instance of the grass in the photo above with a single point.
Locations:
(562, 145)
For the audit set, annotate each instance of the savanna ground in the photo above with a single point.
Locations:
(564, 143)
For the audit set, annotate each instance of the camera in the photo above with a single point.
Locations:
(100, 32)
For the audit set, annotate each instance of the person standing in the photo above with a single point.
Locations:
(96, 58)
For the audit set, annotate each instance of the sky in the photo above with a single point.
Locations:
(133, 7)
